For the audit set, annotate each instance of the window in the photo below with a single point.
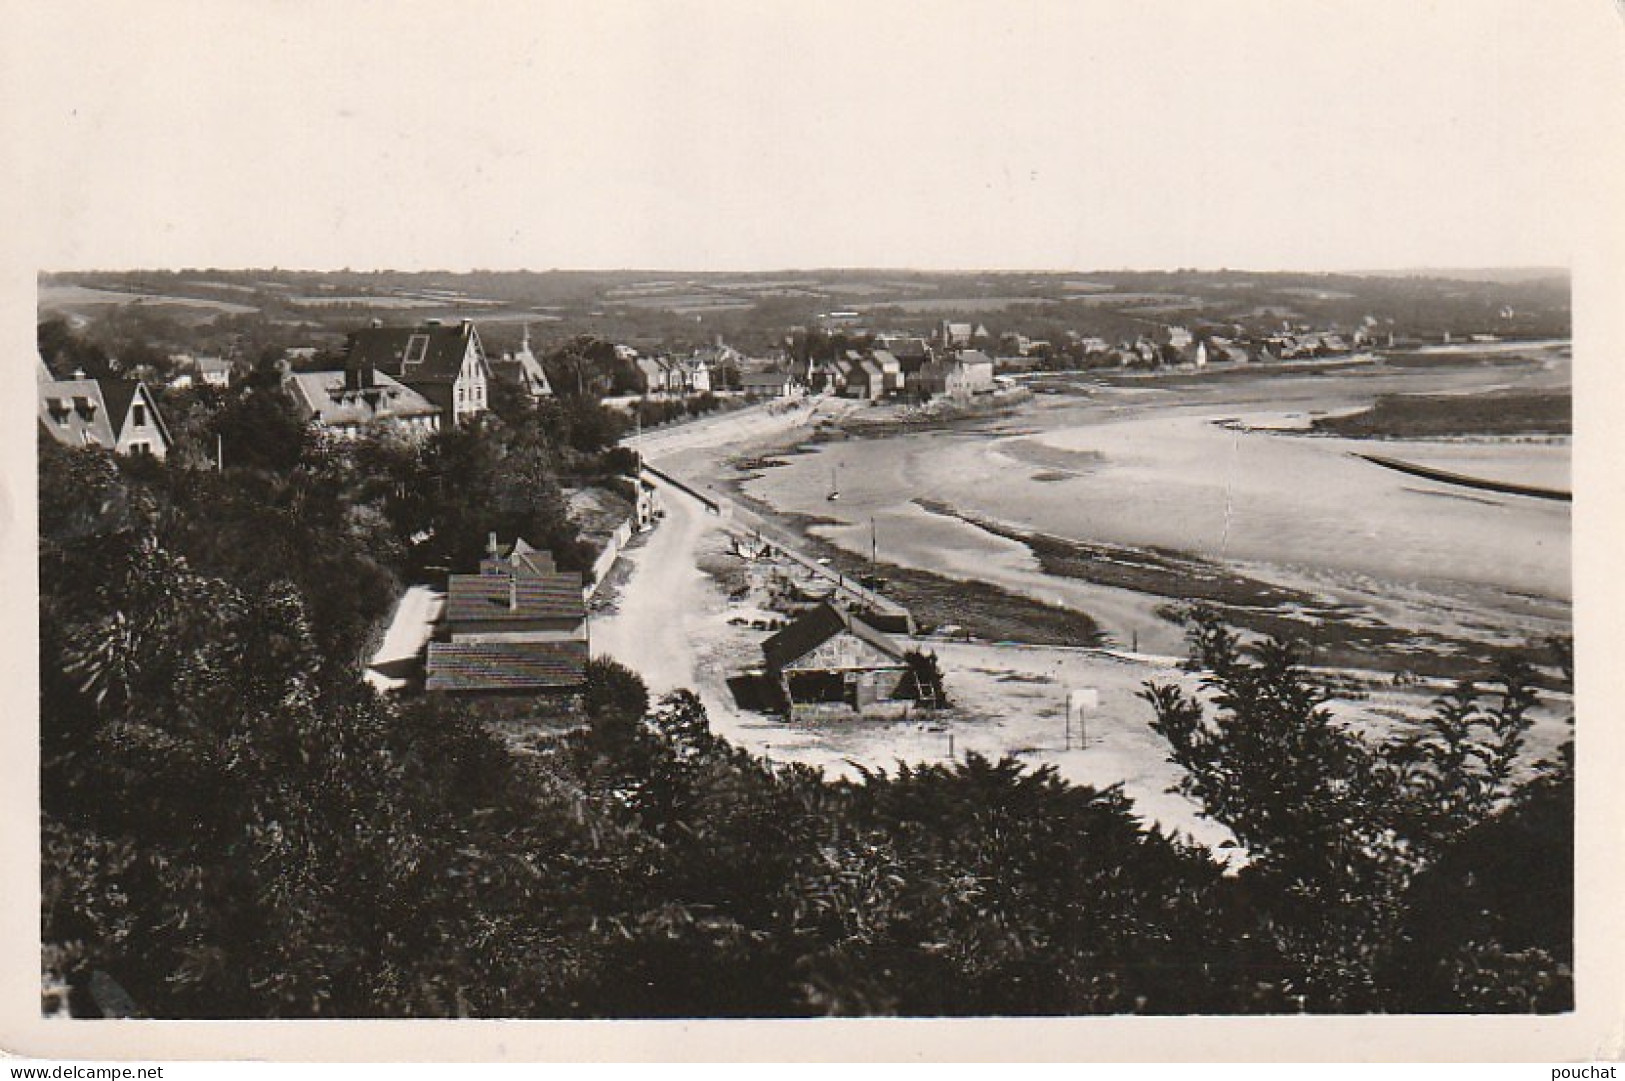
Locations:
(141, 450)
(417, 347)
(138, 415)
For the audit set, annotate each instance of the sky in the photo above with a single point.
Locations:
(724, 134)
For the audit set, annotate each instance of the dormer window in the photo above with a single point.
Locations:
(85, 407)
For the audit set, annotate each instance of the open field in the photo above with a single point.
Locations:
(60, 297)
(949, 305)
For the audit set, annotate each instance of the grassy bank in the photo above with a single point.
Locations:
(1421, 416)
(1340, 636)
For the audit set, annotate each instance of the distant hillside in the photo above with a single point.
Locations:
(1480, 274)
(756, 310)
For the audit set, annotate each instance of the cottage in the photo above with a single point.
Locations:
(649, 374)
(911, 352)
(855, 377)
(891, 371)
(517, 625)
(120, 415)
(961, 376)
(522, 369)
(697, 375)
(348, 402)
(829, 657)
(192, 371)
(768, 384)
(444, 363)
(951, 335)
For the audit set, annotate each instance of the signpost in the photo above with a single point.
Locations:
(1079, 701)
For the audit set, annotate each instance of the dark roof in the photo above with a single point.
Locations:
(818, 626)
(437, 358)
(905, 348)
(486, 597)
(506, 666)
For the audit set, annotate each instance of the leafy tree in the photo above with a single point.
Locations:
(1350, 845)
(925, 673)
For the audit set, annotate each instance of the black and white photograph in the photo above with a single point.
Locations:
(735, 513)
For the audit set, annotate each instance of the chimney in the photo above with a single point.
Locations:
(359, 376)
(491, 545)
(513, 591)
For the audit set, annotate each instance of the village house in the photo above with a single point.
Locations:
(1225, 349)
(967, 373)
(522, 369)
(859, 377)
(194, 371)
(117, 414)
(519, 625)
(891, 370)
(911, 351)
(445, 363)
(951, 335)
(658, 374)
(828, 658)
(771, 383)
(650, 375)
(346, 403)
(696, 375)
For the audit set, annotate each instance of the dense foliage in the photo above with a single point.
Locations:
(1393, 875)
(231, 830)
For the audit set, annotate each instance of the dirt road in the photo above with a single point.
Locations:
(651, 630)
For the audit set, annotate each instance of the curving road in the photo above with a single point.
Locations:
(651, 629)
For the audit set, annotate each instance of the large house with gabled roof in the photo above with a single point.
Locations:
(348, 402)
(118, 414)
(444, 362)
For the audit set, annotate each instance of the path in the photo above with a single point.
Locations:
(409, 630)
(649, 631)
